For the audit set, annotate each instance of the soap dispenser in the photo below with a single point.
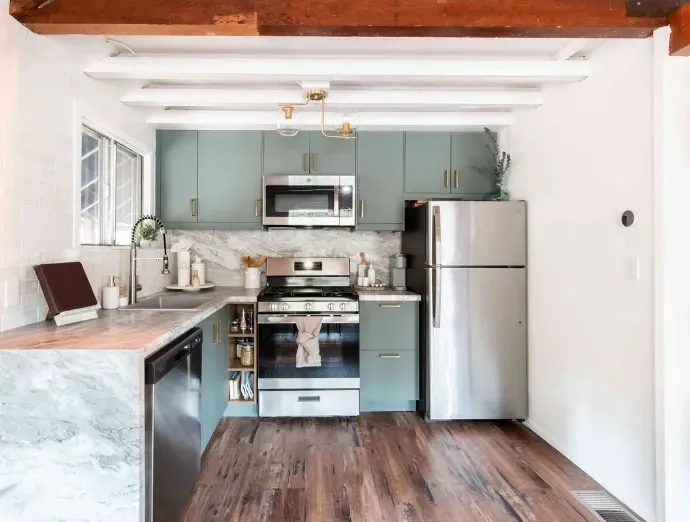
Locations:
(110, 295)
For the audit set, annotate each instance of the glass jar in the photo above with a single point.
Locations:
(247, 358)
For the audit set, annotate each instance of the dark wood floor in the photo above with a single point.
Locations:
(383, 467)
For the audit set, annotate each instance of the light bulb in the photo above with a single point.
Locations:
(346, 122)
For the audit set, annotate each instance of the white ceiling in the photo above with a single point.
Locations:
(238, 82)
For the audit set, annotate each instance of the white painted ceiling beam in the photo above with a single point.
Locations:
(268, 120)
(180, 67)
(264, 99)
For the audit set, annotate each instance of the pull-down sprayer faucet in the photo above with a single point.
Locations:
(133, 287)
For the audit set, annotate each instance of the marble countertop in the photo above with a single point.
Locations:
(143, 330)
(388, 295)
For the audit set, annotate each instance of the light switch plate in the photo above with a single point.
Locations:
(10, 292)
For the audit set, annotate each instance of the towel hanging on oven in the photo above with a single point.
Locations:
(308, 341)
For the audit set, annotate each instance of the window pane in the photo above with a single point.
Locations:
(127, 179)
(91, 174)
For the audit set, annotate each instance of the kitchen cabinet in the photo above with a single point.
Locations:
(468, 151)
(229, 171)
(177, 172)
(331, 156)
(427, 162)
(380, 178)
(214, 373)
(443, 164)
(288, 155)
(389, 355)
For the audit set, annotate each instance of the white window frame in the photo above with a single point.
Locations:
(146, 187)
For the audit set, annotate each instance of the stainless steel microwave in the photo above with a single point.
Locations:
(309, 201)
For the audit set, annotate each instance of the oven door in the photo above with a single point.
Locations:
(338, 346)
(308, 201)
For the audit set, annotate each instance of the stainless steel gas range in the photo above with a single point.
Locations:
(318, 288)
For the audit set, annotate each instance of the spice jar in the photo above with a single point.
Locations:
(247, 358)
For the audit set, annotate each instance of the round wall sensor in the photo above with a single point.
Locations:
(629, 218)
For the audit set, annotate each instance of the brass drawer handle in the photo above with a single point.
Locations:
(215, 333)
(446, 179)
(389, 356)
(361, 208)
(389, 306)
(256, 208)
(314, 161)
(304, 162)
(457, 179)
(192, 207)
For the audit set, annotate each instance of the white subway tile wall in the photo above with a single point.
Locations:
(41, 85)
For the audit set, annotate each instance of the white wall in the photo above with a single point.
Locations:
(673, 277)
(580, 160)
(41, 87)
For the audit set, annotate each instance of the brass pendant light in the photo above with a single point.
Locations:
(345, 131)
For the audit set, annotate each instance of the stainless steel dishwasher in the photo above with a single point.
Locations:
(172, 426)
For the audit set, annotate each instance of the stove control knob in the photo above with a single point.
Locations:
(308, 306)
(331, 306)
(273, 306)
(284, 306)
(343, 306)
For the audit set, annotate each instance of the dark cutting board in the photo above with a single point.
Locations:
(65, 287)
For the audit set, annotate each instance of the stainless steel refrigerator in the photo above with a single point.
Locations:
(468, 260)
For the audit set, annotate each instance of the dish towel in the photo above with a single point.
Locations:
(308, 341)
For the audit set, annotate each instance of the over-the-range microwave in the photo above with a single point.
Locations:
(309, 201)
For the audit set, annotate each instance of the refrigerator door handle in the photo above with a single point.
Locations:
(436, 276)
(436, 232)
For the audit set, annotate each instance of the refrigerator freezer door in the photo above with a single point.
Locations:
(476, 344)
(476, 233)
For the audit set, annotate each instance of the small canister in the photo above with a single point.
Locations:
(398, 261)
(247, 357)
(200, 268)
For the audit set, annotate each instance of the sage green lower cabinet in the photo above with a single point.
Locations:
(214, 373)
(389, 356)
(380, 177)
(229, 185)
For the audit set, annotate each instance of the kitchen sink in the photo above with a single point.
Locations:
(172, 303)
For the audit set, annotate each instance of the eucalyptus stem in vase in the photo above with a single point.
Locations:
(497, 171)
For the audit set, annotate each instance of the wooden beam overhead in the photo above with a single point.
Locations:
(680, 32)
(449, 18)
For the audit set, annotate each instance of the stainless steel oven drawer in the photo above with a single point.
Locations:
(309, 403)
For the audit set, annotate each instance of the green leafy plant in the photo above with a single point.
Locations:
(498, 170)
(147, 232)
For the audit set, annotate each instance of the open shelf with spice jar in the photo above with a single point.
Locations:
(243, 351)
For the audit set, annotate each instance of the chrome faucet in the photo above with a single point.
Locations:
(133, 286)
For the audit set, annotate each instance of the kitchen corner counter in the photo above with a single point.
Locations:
(388, 295)
(144, 331)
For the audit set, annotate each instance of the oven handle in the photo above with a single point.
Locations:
(329, 319)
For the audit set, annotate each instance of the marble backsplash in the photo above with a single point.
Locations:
(221, 250)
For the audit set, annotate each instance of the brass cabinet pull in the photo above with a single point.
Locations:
(457, 179)
(304, 162)
(256, 208)
(215, 333)
(361, 208)
(220, 332)
(446, 179)
(389, 355)
(192, 207)
(314, 161)
(389, 306)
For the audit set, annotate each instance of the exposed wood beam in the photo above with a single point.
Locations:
(268, 99)
(219, 68)
(653, 7)
(268, 120)
(680, 32)
(490, 18)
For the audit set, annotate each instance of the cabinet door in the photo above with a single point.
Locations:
(380, 176)
(221, 388)
(178, 176)
(389, 326)
(468, 151)
(207, 408)
(427, 162)
(389, 375)
(229, 176)
(331, 156)
(286, 155)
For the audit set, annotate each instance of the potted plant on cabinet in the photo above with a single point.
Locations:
(497, 170)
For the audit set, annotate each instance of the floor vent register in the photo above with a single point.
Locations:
(605, 507)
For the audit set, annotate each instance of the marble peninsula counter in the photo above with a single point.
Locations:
(72, 412)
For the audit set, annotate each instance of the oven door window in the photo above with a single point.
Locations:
(338, 346)
(286, 201)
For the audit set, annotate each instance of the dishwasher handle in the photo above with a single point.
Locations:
(163, 361)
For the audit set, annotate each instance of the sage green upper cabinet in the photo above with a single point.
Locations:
(177, 161)
(331, 156)
(380, 178)
(286, 155)
(468, 151)
(230, 177)
(427, 162)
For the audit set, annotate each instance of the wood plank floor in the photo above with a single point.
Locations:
(383, 467)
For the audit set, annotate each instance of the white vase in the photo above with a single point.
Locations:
(252, 278)
(145, 243)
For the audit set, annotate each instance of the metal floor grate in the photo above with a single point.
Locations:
(605, 507)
